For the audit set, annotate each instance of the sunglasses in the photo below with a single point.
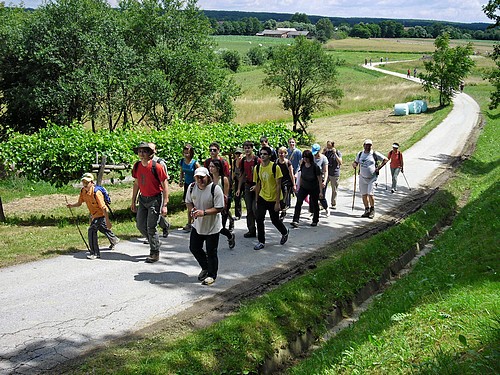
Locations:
(213, 150)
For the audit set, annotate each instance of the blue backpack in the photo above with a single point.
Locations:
(107, 198)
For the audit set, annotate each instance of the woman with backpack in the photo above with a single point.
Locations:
(310, 184)
(288, 179)
(217, 173)
(188, 165)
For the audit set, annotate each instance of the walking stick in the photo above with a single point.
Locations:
(76, 222)
(385, 171)
(409, 188)
(354, 190)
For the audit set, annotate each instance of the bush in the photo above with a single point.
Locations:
(231, 59)
(58, 154)
(257, 55)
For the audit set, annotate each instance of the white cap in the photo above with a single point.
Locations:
(368, 142)
(201, 171)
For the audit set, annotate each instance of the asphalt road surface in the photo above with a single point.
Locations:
(57, 309)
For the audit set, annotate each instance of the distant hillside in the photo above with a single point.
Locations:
(227, 15)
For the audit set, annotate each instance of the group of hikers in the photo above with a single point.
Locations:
(265, 181)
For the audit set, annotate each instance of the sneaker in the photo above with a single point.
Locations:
(366, 213)
(91, 256)
(284, 237)
(392, 191)
(314, 224)
(236, 218)
(203, 275)
(259, 246)
(282, 215)
(327, 213)
(231, 241)
(165, 231)
(333, 207)
(145, 242)
(371, 213)
(187, 228)
(153, 258)
(208, 281)
(294, 224)
(113, 245)
(250, 234)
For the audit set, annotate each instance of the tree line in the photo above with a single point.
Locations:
(146, 62)
(382, 29)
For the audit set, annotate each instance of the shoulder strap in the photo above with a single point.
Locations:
(191, 187)
(153, 170)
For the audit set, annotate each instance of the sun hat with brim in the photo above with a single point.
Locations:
(368, 142)
(87, 177)
(143, 145)
(238, 150)
(201, 171)
(395, 145)
(315, 148)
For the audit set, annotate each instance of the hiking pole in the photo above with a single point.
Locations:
(354, 190)
(76, 222)
(409, 188)
(385, 172)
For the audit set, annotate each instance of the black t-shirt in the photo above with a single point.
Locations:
(309, 177)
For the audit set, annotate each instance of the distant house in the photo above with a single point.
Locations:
(283, 33)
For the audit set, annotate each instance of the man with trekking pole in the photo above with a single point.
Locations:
(369, 168)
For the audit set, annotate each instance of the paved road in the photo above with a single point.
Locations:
(56, 309)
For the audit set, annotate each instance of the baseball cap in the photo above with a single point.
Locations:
(368, 142)
(87, 177)
(201, 171)
(315, 148)
(395, 145)
(238, 150)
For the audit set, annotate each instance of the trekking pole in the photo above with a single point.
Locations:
(385, 171)
(409, 188)
(354, 190)
(76, 222)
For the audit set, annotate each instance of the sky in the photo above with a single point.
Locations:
(466, 11)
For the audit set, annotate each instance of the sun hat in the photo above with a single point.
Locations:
(238, 150)
(201, 171)
(87, 177)
(143, 145)
(368, 142)
(315, 148)
(395, 145)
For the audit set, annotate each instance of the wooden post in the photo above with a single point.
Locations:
(101, 170)
(2, 215)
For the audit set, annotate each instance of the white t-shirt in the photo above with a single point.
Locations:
(366, 162)
(203, 200)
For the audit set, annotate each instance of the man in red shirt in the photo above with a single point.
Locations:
(150, 180)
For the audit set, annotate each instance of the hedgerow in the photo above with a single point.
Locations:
(60, 154)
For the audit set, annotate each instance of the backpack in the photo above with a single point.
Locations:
(153, 168)
(212, 190)
(399, 155)
(105, 194)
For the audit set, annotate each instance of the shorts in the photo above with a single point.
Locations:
(366, 185)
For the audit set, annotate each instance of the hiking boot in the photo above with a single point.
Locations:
(231, 241)
(250, 234)
(259, 246)
(153, 258)
(366, 213)
(284, 237)
(208, 281)
(203, 275)
(371, 213)
(187, 228)
(294, 224)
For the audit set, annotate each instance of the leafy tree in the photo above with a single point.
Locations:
(232, 59)
(270, 24)
(300, 17)
(491, 10)
(447, 68)
(361, 30)
(257, 55)
(324, 29)
(306, 77)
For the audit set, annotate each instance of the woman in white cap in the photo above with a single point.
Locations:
(396, 158)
